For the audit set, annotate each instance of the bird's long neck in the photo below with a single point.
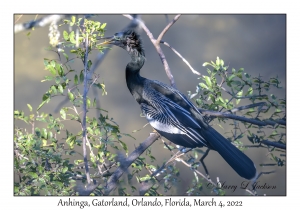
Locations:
(133, 79)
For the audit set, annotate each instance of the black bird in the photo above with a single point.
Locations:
(170, 113)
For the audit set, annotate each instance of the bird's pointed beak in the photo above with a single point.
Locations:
(108, 40)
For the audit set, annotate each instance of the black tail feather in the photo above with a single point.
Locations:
(242, 164)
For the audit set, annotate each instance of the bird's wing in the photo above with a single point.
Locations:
(168, 110)
(174, 95)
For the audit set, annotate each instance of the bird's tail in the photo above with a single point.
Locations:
(242, 164)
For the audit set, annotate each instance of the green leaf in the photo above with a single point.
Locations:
(71, 96)
(66, 56)
(29, 106)
(206, 63)
(90, 130)
(47, 78)
(46, 62)
(53, 63)
(45, 96)
(52, 70)
(221, 62)
(76, 79)
(72, 37)
(33, 174)
(88, 102)
(65, 169)
(73, 19)
(50, 135)
(60, 89)
(103, 25)
(77, 162)
(66, 36)
(240, 70)
(203, 85)
(60, 70)
(239, 75)
(231, 77)
(40, 106)
(63, 114)
(250, 91)
(145, 178)
(218, 61)
(57, 79)
(240, 93)
(247, 75)
(81, 77)
(207, 80)
(236, 82)
(124, 146)
(255, 80)
(44, 134)
(44, 142)
(89, 64)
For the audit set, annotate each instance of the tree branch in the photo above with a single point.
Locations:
(112, 182)
(240, 108)
(166, 29)
(243, 119)
(180, 56)
(273, 144)
(85, 91)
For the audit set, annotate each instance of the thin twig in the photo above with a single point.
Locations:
(166, 29)
(240, 108)
(18, 19)
(198, 172)
(180, 56)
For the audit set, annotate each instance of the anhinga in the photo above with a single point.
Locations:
(171, 114)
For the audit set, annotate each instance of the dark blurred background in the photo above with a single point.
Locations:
(254, 42)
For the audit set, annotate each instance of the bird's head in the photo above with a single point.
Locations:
(129, 40)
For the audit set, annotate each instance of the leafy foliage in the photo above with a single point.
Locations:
(41, 160)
